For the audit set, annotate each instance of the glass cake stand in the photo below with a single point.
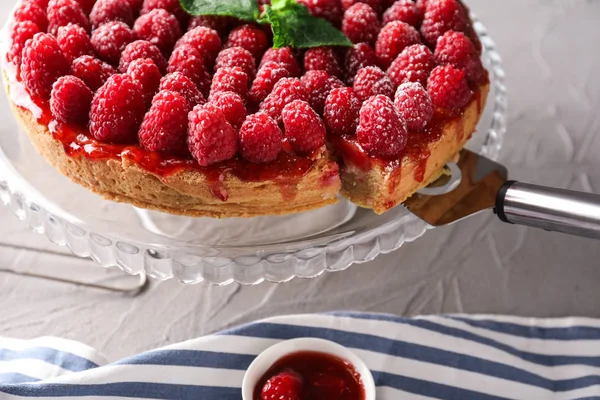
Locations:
(193, 250)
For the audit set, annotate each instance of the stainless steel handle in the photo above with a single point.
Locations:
(558, 210)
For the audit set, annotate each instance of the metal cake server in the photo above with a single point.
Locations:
(477, 183)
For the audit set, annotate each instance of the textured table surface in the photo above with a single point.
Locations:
(477, 266)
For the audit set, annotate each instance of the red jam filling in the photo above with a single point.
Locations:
(323, 376)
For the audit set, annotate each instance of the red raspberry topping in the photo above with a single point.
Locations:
(177, 82)
(218, 23)
(318, 84)
(323, 58)
(249, 37)
(266, 78)
(74, 42)
(376, 5)
(260, 138)
(71, 100)
(357, 57)
(284, 92)
(189, 61)
(232, 107)
(111, 10)
(414, 105)
(412, 65)
(30, 11)
(381, 130)
(237, 57)
(286, 385)
(110, 39)
(371, 81)
(65, 12)
(42, 64)
(142, 49)
(331, 10)
(117, 110)
(146, 73)
(304, 129)
(204, 40)
(210, 137)
(283, 56)
(456, 49)
(164, 128)
(159, 28)
(171, 6)
(402, 10)
(361, 24)
(92, 71)
(341, 111)
(440, 17)
(448, 87)
(393, 38)
(231, 79)
(20, 33)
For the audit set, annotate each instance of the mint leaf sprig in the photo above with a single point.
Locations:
(291, 23)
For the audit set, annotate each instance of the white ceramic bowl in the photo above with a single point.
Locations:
(267, 358)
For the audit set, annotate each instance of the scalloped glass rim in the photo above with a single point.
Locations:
(357, 235)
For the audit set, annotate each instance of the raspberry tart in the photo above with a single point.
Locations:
(200, 115)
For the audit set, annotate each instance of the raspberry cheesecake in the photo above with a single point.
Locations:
(143, 103)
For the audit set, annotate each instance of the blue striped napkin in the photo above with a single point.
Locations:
(438, 357)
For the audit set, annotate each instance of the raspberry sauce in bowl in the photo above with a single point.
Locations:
(308, 369)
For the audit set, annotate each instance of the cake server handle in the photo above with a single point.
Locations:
(551, 209)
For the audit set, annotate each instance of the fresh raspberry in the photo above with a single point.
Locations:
(210, 137)
(381, 130)
(260, 138)
(341, 111)
(164, 127)
(177, 82)
(448, 87)
(147, 74)
(371, 81)
(286, 385)
(414, 64)
(304, 129)
(231, 105)
(284, 92)
(376, 5)
(171, 6)
(87, 5)
(414, 105)
(92, 71)
(237, 57)
(204, 40)
(71, 100)
(249, 37)
(30, 11)
(117, 110)
(217, 22)
(402, 10)
(456, 49)
(74, 42)
(283, 56)
(357, 57)
(65, 12)
(42, 3)
(421, 6)
(440, 17)
(323, 58)
(142, 49)
(20, 33)
(393, 38)
(230, 80)
(331, 10)
(42, 64)
(266, 78)
(111, 10)
(159, 28)
(318, 84)
(361, 24)
(110, 39)
(189, 61)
